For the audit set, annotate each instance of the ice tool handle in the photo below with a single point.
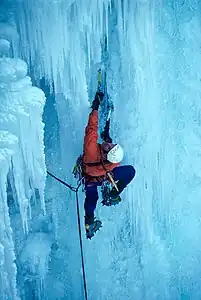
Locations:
(99, 88)
(102, 88)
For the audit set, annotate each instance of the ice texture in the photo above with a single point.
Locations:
(22, 160)
(149, 246)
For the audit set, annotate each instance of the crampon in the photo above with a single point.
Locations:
(92, 228)
(109, 198)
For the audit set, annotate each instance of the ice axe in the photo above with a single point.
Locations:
(112, 180)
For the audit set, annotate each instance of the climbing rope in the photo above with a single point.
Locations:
(61, 181)
(75, 189)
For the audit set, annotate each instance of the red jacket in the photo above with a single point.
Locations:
(92, 150)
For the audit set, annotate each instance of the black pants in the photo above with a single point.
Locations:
(124, 174)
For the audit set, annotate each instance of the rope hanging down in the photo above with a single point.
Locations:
(75, 189)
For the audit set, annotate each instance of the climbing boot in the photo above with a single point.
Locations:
(91, 226)
(112, 198)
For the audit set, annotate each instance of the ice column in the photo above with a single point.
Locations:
(22, 160)
(8, 144)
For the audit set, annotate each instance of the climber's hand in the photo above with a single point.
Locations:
(97, 100)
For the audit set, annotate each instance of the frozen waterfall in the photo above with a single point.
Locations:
(149, 246)
(22, 162)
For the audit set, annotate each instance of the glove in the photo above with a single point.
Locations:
(105, 134)
(98, 99)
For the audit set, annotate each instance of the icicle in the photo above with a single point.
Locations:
(106, 33)
(22, 158)
(22, 116)
(8, 143)
(72, 21)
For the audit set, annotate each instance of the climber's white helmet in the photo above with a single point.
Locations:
(116, 154)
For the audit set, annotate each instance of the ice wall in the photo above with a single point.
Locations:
(22, 160)
(149, 248)
(71, 48)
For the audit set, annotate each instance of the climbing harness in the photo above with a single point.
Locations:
(75, 189)
(81, 176)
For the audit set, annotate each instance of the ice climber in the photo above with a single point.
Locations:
(101, 162)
